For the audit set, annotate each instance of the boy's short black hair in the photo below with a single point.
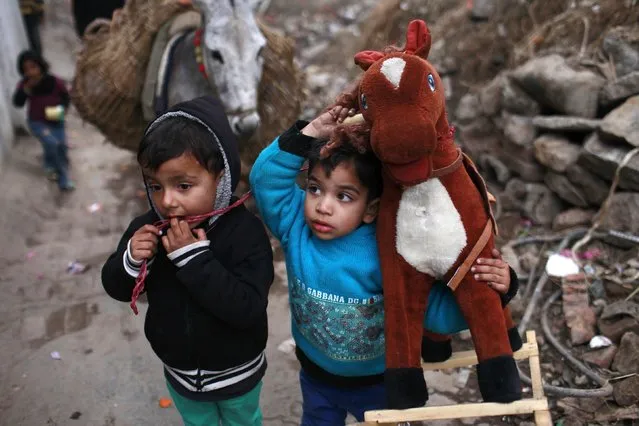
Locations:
(175, 136)
(367, 166)
(30, 55)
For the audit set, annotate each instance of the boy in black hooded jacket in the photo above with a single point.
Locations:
(208, 282)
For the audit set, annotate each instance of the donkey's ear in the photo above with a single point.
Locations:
(367, 58)
(418, 39)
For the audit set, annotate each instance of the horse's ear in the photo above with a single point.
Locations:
(418, 39)
(367, 58)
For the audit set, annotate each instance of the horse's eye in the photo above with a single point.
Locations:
(217, 56)
(362, 101)
(431, 82)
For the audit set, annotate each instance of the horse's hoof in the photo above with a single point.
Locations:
(405, 388)
(434, 351)
(515, 339)
(499, 379)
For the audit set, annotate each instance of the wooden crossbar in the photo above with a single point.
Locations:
(460, 411)
(467, 358)
(537, 405)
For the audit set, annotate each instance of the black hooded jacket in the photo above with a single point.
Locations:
(209, 314)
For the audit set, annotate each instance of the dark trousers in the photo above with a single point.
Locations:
(32, 24)
(326, 405)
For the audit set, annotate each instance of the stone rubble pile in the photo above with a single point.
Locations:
(550, 135)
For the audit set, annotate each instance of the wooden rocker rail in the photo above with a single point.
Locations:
(537, 405)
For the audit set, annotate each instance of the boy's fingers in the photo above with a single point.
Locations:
(144, 245)
(146, 230)
(165, 243)
(141, 252)
(184, 227)
(335, 112)
(201, 234)
(146, 237)
(491, 262)
(170, 234)
(487, 277)
(500, 288)
(148, 254)
(150, 228)
(497, 275)
(153, 246)
(485, 269)
(342, 115)
(496, 253)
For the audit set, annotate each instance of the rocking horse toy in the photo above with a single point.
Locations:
(434, 222)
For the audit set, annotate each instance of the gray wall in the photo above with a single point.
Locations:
(13, 40)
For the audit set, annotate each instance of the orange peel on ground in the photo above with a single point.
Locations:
(165, 402)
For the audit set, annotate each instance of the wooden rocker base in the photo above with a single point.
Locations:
(537, 405)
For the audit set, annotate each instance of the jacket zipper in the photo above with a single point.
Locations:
(189, 334)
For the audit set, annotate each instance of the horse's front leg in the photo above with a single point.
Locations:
(481, 306)
(436, 347)
(513, 334)
(405, 297)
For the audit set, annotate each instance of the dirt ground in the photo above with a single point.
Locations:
(106, 374)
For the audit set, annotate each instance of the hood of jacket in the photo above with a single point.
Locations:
(209, 112)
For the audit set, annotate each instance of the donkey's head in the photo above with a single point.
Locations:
(231, 48)
(402, 97)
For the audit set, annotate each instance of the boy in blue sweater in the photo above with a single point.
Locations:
(328, 236)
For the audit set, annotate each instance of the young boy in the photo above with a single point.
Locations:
(328, 236)
(208, 282)
(45, 92)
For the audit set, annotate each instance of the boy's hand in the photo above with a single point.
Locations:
(181, 235)
(495, 272)
(322, 127)
(144, 243)
(29, 84)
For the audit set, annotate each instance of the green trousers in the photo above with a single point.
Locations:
(240, 411)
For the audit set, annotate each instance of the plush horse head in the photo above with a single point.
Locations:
(232, 58)
(401, 97)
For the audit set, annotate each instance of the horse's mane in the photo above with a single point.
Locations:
(357, 135)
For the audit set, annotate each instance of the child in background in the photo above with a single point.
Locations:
(48, 99)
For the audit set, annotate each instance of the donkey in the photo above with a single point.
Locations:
(228, 64)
